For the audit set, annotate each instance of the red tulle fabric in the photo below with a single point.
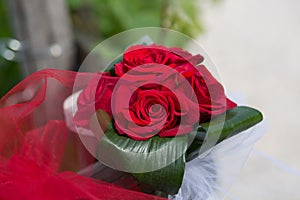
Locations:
(38, 154)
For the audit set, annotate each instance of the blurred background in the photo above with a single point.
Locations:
(254, 43)
(256, 46)
(60, 33)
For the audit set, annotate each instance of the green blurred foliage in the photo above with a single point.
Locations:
(104, 18)
(100, 19)
(9, 71)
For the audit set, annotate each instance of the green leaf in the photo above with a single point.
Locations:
(111, 66)
(236, 120)
(167, 179)
(164, 155)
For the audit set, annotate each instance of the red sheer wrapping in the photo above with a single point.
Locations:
(38, 153)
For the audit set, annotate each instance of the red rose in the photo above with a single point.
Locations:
(175, 58)
(154, 99)
(210, 93)
(97, 95)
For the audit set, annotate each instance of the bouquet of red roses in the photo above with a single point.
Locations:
(154, 109)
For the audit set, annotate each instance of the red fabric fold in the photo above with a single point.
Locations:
(37, 150)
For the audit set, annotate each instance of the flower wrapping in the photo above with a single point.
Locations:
(39, 156)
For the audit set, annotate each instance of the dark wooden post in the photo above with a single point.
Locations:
(43, 27)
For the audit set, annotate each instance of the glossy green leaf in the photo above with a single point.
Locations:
(236, 120)
(167, 179)
(165, 155)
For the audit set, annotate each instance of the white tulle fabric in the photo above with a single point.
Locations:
(209, 177)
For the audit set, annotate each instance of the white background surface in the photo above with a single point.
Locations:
(256, 46)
